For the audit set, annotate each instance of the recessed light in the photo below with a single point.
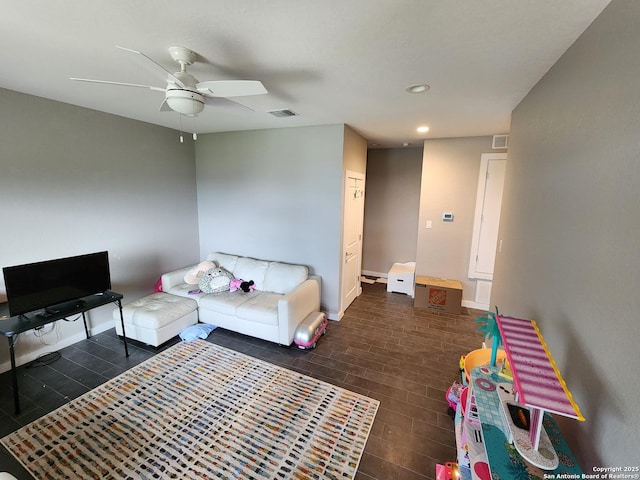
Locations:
(423, 129)
(417, 88)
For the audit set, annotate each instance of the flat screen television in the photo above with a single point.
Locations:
(52, 284)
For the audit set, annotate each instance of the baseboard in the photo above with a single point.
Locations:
(475, 305)
(370, 273)
(101, 328)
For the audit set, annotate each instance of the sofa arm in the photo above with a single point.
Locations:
(175, 278)
(295, 306)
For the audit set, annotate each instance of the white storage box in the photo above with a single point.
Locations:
(401, 278)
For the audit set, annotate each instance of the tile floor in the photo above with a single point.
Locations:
(383, 348)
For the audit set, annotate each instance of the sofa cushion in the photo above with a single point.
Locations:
(251, 269)
(262, 308)
(183, 290)
(228, 262)
(156, 310)
(282, 277)
(226, 302)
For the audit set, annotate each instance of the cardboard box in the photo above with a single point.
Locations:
(438, 294)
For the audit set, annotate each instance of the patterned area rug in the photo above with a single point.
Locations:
(198, 410)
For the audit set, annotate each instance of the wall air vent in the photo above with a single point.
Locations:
(500, 141)
(285, 112)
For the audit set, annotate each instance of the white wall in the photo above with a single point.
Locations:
(76, 181)
(275, 195)
(571, 228)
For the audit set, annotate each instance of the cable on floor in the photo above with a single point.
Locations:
(44, 359)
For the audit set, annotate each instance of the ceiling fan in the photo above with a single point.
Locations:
(184, 93)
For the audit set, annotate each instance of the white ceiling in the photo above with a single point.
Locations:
(331, 61)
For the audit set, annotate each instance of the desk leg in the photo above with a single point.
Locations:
(14, 375)
(86, 330)
(124, 334)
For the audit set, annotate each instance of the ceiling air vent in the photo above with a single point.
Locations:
(285, 112)
(500, 141)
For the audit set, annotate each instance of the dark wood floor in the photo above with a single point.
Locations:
(383, 348)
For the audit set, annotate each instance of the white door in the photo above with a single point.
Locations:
(487, 218)
(353, 221)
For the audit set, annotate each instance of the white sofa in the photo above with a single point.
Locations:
(284, 295)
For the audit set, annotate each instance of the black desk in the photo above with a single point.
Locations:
(11, 327)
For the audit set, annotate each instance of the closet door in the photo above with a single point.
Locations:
(487, 216)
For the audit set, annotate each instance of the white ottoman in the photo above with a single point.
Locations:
(156, 318)
(402, 278)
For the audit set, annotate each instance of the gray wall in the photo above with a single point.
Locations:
(275, 195)
(75, 181)
(571, 230)
(450, 172)
(392, 202)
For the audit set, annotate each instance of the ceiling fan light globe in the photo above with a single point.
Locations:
(185, 102)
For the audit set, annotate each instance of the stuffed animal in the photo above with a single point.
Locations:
(235, 284)
(194, 275)
(239, 284)
(215, 280)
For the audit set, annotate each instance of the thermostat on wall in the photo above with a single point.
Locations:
(447, 217)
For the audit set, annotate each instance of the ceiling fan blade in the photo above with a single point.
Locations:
(231, 88)
(157, 66)
(159, 89)
(223, 102)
